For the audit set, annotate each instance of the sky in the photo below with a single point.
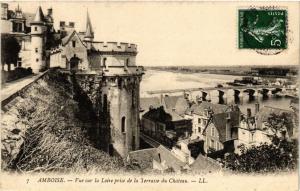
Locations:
(175, 33)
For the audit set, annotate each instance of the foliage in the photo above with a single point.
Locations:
(264, 158)
(10, 49)
(56, 140)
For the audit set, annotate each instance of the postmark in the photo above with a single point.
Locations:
(264, 30)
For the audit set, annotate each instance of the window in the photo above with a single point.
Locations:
(213, 131)
(105, 103)
(199, 129)
(35, 28)
(123, 124)
(127, 62)
(104, 62)
(37, 60)
(204, 122)
(36, 50)
(74, 43)
(212, 143)
(199, 120)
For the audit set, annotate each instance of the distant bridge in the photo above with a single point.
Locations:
(252, 91)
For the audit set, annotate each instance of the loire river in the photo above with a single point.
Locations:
(165, 80)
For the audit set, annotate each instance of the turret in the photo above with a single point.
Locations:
(38, 29)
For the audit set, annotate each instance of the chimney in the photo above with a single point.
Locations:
(248, 112)
(50, 12)
(256, 107)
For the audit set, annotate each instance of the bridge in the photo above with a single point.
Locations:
(224, 92)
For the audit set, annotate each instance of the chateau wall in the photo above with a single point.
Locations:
(96, 60)
(6, 26)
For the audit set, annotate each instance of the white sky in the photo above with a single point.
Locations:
(175, 33)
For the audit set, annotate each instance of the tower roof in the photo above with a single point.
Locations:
(89, 29)
(39, 17)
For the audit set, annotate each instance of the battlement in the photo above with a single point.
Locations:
(55, 50)
(115, 47)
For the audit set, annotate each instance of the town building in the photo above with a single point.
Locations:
(255, 129)
(165, 126)
(213, 123)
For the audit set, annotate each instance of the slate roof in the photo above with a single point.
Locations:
(200, 108)
(179, 103)
(204, 164)
(162, 115)
(171, 160)
(160, 154)
(143, 157)
(146, 102)
(39, 16)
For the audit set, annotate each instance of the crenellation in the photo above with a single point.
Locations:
(115, 47)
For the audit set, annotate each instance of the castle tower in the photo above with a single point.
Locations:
(120, 92)
(89, 33)
(38, 29)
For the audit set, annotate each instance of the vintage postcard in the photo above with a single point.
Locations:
(99, 95)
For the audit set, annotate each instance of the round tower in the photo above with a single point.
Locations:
(38, 29)
(120, 92)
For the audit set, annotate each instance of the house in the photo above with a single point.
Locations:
(254, 130)
(204, 164)
(165, 126)
(213, 124)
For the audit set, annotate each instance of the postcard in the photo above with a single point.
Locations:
(149, 95)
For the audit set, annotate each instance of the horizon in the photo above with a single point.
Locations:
(173, 33)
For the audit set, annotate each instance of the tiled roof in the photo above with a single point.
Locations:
(205, 164)
(200, 108)
(162, 115)
(146, 102)
(143, 157)
(171, 160)
(170, 101)
(179, 103)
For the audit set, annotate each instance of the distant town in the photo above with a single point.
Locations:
(74, 104)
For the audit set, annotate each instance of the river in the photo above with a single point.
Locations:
(166, 80)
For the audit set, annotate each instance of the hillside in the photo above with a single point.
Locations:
(46, 128)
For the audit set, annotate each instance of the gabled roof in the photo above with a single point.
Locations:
(204, 164)
(147, 102)
(39, 17)
(200, 108)
(179, 103)
(170, 160)
(67, 38)
(143, 157)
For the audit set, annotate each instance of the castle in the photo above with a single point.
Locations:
(111, 65)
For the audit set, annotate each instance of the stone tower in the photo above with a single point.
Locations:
(38, 29)
(120, 90)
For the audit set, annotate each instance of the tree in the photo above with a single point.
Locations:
(10, 49)
(278, 125)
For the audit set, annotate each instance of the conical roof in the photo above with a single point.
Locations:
(39, 16)
(89, 30)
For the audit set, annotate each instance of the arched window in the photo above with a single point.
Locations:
(104, 62)
(127, 62)
(123, 121)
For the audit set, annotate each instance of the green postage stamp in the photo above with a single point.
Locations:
(262, 29)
